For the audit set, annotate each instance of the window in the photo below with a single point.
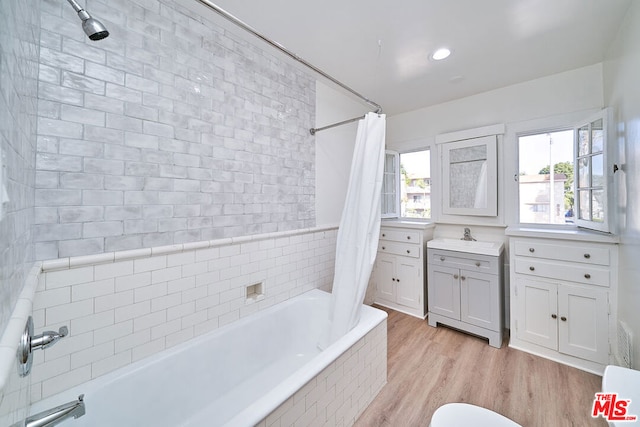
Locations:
(406, 189)
(576, 191)
(546, 198)
(591, 184)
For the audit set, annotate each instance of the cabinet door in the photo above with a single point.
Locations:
(583, 319)
(479, 299)
(444, 291)
(408, 282)
(385, 277)
(537, 316)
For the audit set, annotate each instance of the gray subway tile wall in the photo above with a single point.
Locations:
(171, 130)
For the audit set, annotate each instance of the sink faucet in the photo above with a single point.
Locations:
(54, 416)
(467, 235)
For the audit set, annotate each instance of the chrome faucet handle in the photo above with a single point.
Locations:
(30, 342)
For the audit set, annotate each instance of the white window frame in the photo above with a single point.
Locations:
(394, 188)
(607, 225)
(603, 226)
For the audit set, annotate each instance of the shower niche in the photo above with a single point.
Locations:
(469, 177)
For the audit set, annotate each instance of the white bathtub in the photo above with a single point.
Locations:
(234, 376)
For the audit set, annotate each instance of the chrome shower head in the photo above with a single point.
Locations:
(92, 27)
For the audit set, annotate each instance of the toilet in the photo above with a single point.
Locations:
(463, 414)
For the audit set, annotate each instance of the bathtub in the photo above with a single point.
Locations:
(250, 372)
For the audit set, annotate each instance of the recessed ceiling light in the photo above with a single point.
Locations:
(441, 53)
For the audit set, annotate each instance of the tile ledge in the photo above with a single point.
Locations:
(108, 257)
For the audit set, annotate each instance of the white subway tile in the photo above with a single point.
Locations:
(60, 383)
(162, 303)
(115, 269)
(145, 350)
(125, 283)
(166, 274)
(92, 322)
(64, 313)
(92, 354)
(149, 264)
(132, 311)
(115, 300)
(132, 340)
(149, 320)
(51, 298)
(56, 279)
(92, 290)
(113, 332)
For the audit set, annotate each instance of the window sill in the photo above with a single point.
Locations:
(565, 233)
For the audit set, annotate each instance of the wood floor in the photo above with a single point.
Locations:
(428, 367)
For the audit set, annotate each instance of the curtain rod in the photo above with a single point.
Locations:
(292, 55)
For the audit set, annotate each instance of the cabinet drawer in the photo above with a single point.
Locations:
(408, 236)
(580, 273)
(467, 261)
(575, 252)
(405, 249)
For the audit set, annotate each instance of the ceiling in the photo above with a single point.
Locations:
(381, 49)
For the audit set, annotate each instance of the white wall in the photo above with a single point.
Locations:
(622, 92)
(334, 151)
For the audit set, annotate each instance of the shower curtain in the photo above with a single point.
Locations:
(357, 240)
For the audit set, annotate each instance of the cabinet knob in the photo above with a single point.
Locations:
(398, 280)
(463, 278)
(532, 268)
(384, 235)
(393, 279)
(442, 258)
(554, 316)
(408, 237)
(587, 276)
(383, 248)
(532, 250)
(477, 263)
(455, 276)
(587, 256)
(408, 251)
(564, 319)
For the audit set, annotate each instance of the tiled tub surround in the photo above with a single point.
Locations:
(266, 366)
(124, 306)
(171, 130)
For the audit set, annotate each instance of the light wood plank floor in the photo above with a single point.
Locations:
(428, 367)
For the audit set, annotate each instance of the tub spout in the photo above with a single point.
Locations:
(54, 416)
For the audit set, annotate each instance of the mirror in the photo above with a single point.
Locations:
(470, 177)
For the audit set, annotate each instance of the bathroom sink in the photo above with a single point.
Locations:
(626, 383)
(469, 246)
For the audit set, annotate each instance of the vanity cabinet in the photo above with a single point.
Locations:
(560, 300)
(465, 292)
(398, 274)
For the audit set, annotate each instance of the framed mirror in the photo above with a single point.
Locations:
(469, 177)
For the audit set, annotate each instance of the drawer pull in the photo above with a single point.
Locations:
(564, 319)
(384, 235)
(554, 316)
(477, 263)
(442, 258)
(383, 248)
(532, 250)
(587, 276)
(455, 276)
(408, 251)
(532, 268)
(408, 237)
(587, 256)
(393, 279)
(463, 278)
(398, 280)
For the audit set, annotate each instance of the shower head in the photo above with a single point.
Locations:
(92, 27)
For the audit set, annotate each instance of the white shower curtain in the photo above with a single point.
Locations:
(357, 240)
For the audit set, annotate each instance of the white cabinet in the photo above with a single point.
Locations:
(398, 274)
(465, 292)
(560, 300)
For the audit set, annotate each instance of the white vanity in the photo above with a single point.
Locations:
(398, 274)
(466, 286)
(563, 293)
